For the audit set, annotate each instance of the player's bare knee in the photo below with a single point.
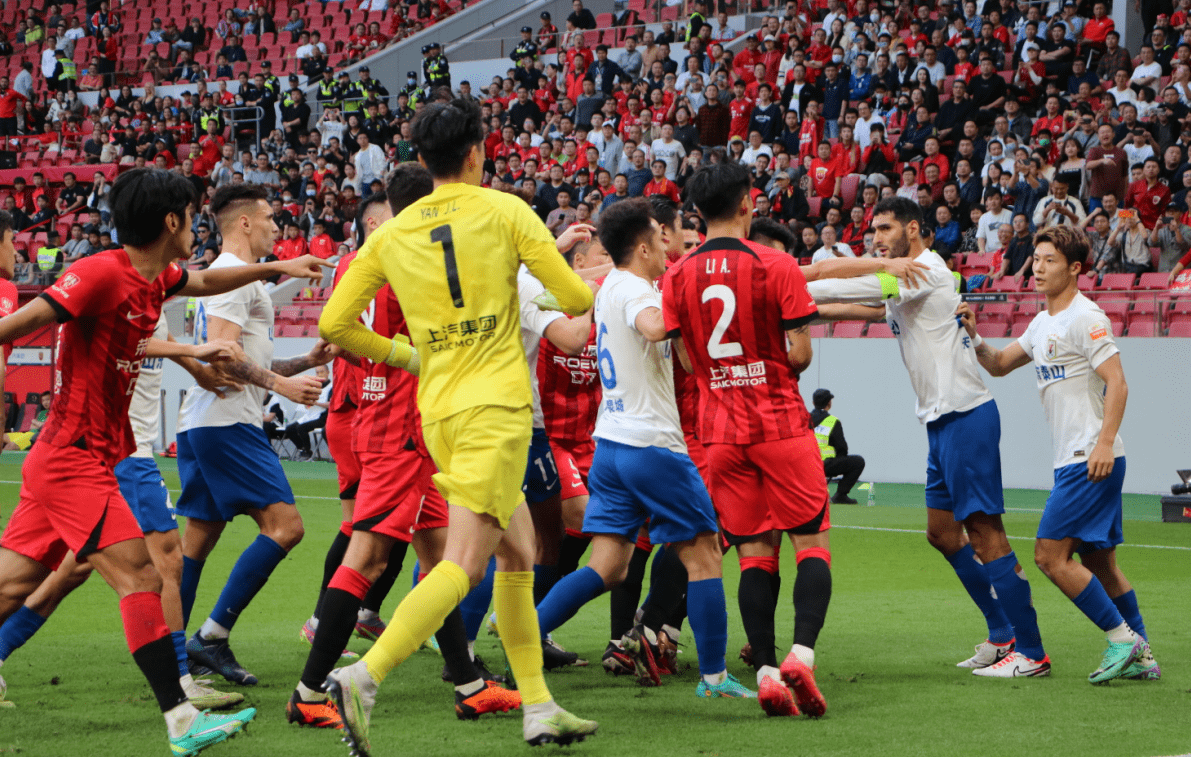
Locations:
(288, 532)
(947, 542)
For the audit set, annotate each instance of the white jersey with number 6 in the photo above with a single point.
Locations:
(638, 407)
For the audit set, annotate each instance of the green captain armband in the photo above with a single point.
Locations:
(889, 286)
(403, 355)
(547, 301)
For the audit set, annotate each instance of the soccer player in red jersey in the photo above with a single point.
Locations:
(109, 304)
(8, 290)
(397, 503)
(345, 391)
(743, 313)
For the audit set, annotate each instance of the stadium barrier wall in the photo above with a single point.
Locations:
(874, 401)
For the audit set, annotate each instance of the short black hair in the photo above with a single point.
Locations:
(904, 210)
(664, 210)
(716, 190)
(407, 183)
(622, 227)
(6, 223)
(445, 132)
(141, 199)
(771, 229)
(231, 196)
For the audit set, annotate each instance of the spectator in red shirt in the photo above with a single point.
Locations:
(291, 245)
(1148, 195)
(321, 244)
(1098, 27)
(9, 100)
(826, 177)
(660, 185)
(846, 152)
(933, 157)
(810, 134)
(853, 234)
(741, 110)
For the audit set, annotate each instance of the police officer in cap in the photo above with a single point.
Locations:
(372, 88)
(829, 432)
(411, 84)
(294, 83)
(328, 90)
(526, 48)
(272, 83)
(438, 70)
(350, 93)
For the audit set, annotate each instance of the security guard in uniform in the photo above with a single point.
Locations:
(328, 91)
(272, 83)
(526, 48)
(207, 112)
(372, 88)
(49, 259)
(350, 94)
(836, 461)
(437, 69)
(66, 73)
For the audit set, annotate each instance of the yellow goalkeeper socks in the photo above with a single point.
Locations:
(418, 616)
(512, 595)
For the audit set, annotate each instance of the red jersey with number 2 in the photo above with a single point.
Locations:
(732, 302)
(108, 313)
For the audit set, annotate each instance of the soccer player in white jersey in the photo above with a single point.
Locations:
(143, 488)
(641, 468)
(1083, 393)
(542, 485)
(964, 498)
(225, 461)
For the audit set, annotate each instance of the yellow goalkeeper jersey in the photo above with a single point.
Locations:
(452, 260)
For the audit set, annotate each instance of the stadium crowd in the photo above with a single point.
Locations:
(998, 121)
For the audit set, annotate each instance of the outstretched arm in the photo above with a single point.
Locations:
(339, 323)
(30, 318)
(996, 362)
(213, 281)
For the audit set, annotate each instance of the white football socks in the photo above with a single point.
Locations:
(768, 671)
(212, 630)
(179, 719)
(805, 654)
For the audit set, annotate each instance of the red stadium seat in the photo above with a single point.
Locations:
(1152, 281)
(991, 330)
(820, 330)
(849, 186)
(848, 329)
(1143, 328)
(1182, 329)
(1018, 328)
(293, 330)
(1117, 281)
(879, 331)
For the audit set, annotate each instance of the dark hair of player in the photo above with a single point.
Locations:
(718, 189)
(664, 210)
(1068, 241)
(623, 226)
(904, 210)
(142, 198)
(763, 230)
(233, 197)
(5, 222)
(445, 132)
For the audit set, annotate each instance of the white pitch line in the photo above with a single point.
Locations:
(1022, 538)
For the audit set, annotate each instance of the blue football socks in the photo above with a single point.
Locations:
(179, 639)
(17, 630)
(1093, 601)
(192, 571)
(544, 578)
(567, 596)
(975, 579)
(1127, 605)
(250, 573)
(709, 623)
(1013, 589)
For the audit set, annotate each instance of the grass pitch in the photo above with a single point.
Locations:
(899, 621)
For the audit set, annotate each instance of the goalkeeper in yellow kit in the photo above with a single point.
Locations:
(452, 260)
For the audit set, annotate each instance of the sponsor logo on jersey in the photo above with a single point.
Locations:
(1052, 347)
(1098, 331)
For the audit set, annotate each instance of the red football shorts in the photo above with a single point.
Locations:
(573, 459)
(772, 485)
(397, 495)
(70, 500)
(339, 442)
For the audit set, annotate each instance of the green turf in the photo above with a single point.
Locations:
(898, 623)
